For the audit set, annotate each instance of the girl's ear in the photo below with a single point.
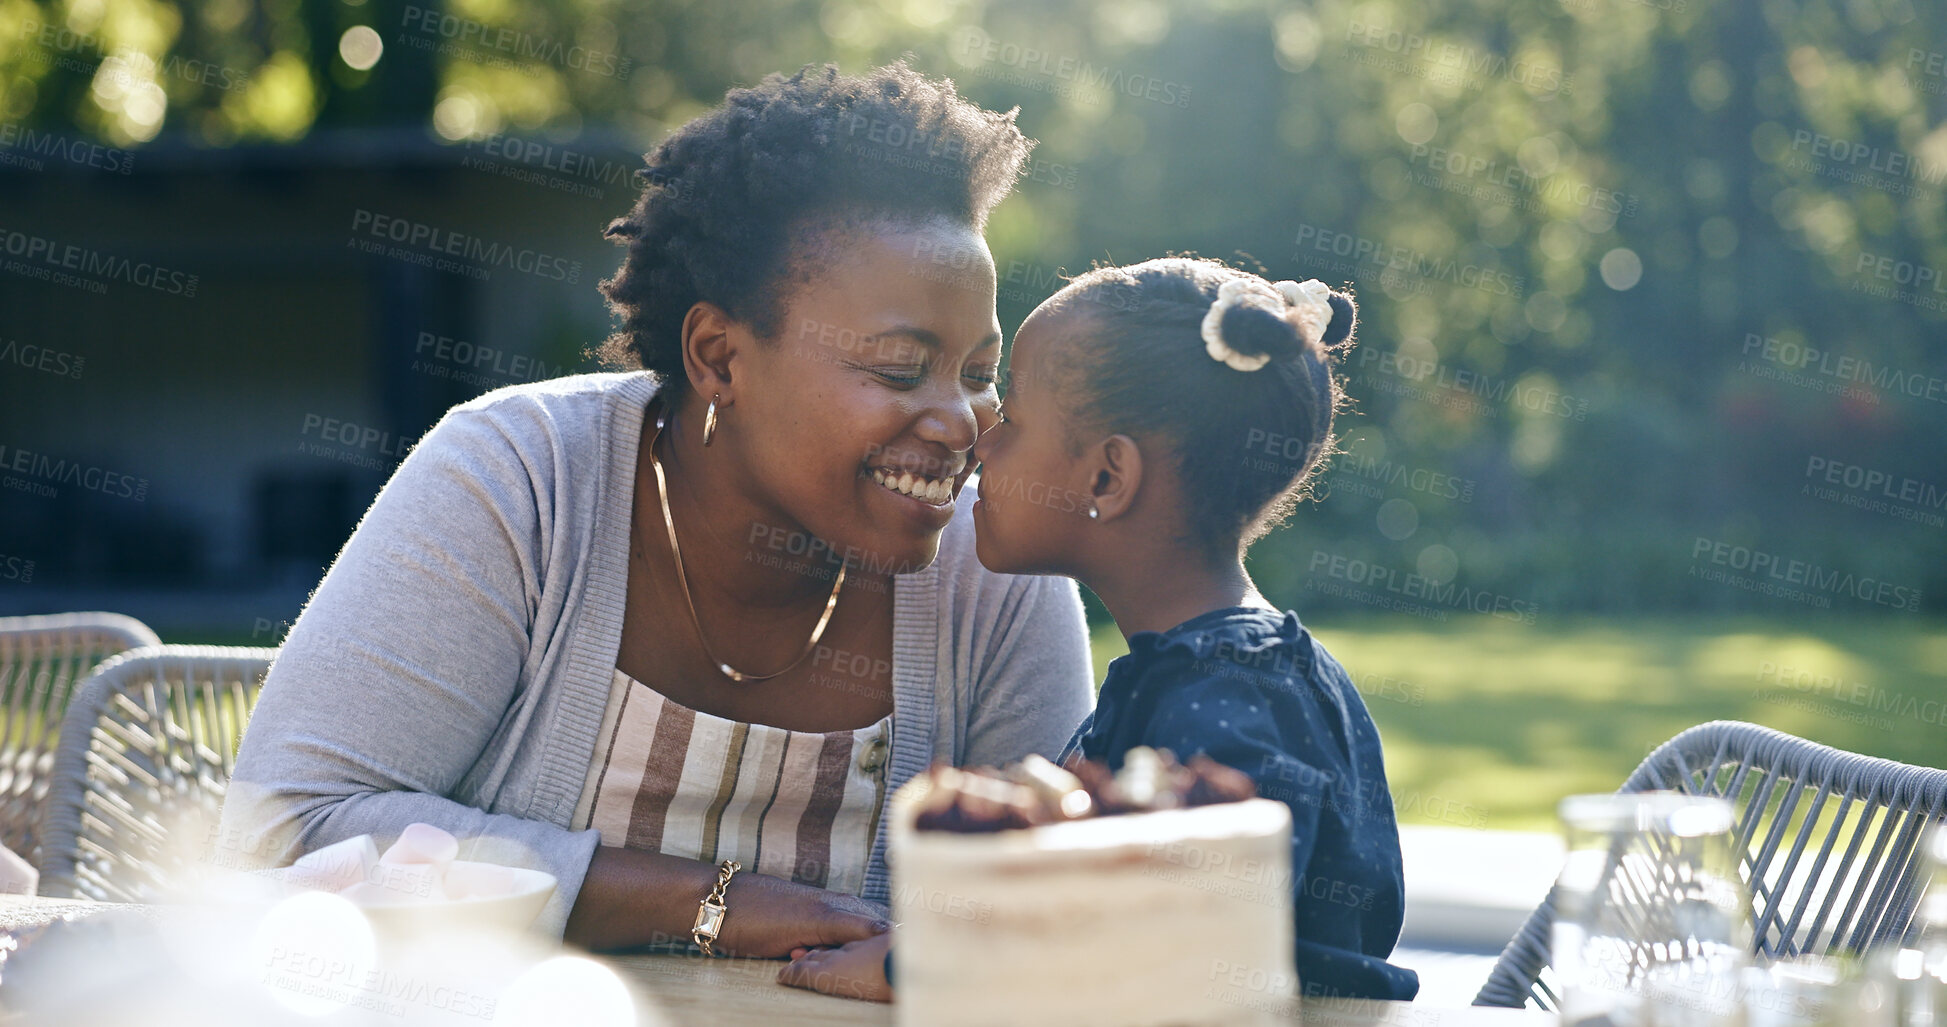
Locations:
(709, 344)
(1116, 476)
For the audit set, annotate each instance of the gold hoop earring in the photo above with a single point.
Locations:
(710, 419)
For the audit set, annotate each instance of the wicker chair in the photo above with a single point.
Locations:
(146, 754)
(41, 660)
(1868, 814)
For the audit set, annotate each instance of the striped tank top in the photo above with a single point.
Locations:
(800, 805)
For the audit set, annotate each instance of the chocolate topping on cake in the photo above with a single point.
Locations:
(1035, 791)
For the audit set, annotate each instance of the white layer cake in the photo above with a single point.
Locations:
(1177, 917)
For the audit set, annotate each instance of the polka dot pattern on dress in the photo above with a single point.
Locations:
(1252, 689)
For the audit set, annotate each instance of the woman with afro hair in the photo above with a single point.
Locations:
(673, 634)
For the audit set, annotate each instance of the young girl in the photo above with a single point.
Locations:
(1160, 418)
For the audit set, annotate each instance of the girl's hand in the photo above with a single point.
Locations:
(770, 917)
(857, 970)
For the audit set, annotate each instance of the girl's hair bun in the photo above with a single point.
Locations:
(1215, 360)
(1345, 316)
(1262, 324)
(1257, 326)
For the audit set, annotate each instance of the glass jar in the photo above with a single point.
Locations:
(1910, 978)
(1652, 919)
(1806, 991)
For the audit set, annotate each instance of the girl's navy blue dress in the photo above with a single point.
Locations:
(1251, 688)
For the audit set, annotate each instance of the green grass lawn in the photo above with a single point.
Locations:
(1488, 723)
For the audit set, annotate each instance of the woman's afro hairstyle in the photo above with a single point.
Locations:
(737, 202)
(1245, 442)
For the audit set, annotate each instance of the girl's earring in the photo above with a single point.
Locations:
(1093, 513)
(710, 419)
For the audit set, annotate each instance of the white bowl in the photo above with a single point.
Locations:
(498, 897)
(513, 909)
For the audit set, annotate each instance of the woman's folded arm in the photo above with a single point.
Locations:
(406, 667)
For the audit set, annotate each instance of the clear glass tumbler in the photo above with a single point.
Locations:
(1910, 977)
(1652, 918)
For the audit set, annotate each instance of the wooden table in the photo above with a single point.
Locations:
(691, 989)
(20, 912)
(694, 990)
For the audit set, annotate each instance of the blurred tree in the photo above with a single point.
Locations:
(1594, 240)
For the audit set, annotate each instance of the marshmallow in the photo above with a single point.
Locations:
(422, 866)
(423, 843)
(336, 866)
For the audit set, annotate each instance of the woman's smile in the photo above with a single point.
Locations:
(931, 491)
(926, 502)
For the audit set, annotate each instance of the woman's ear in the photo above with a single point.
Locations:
(709, 344)
(1116, 476)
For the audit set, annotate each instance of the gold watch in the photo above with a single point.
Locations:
(709, 915)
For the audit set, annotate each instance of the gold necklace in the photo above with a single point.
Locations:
(662, 493)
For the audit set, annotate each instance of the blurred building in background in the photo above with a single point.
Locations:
(232, 349)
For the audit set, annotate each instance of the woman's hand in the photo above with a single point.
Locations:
(632, 898)
(770, 917)
(857, 970)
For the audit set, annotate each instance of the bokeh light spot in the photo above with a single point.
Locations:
(456, 117)
(1546, 311)
(1437, 564)
(567, 989)
(361, 47)
(1417, 123)
(317, 948)
(1717, 237)
(1398, 519)
(1621, 269)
